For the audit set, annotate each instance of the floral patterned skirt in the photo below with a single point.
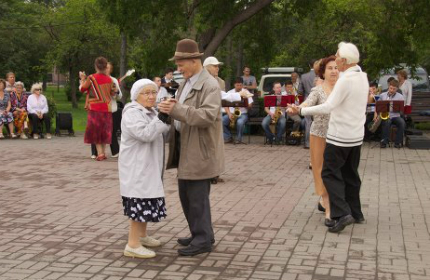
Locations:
(6, 118)
(144, 209)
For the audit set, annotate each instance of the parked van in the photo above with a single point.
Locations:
(273, 74)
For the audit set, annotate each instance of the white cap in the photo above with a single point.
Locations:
(138, 85)
(211, 60)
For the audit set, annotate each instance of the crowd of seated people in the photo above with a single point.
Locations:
(22, 112)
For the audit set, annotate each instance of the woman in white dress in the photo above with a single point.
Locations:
(140, 164)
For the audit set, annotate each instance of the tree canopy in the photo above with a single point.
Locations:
(40, 34)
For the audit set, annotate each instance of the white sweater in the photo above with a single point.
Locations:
(347, 108)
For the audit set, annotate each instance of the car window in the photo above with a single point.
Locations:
(268, 82)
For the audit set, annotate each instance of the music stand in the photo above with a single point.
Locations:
(241, 104)
(278, 100)
(390, 106)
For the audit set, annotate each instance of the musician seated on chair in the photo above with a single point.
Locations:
(290, 90)
(236, 118)
(275, 121)
(393, 118)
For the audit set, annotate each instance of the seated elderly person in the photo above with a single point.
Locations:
(10, 82)
(37, 108)
(18, 100)
(140, 165)
(394, 118)
(6, 116)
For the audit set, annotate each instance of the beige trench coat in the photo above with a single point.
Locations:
(201, 139)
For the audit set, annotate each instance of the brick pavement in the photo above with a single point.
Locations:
(61, 218)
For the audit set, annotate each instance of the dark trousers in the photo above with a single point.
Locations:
(386, 127)
(35, 121)
(194, 196)
(116, 125)
(341, 178)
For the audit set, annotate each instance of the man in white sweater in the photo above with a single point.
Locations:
(347, 108)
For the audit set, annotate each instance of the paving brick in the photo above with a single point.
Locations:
(68, 223)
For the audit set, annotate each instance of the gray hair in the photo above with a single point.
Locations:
(348, 51)
(20, 84)
(36, 86)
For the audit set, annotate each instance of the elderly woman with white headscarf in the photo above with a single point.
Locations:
(140, 164)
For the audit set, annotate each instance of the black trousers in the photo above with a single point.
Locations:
(116, 125)
(194, 196)
(341, 178)
(35, 121)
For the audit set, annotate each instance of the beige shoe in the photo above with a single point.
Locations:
(150, 242)
(23, 136)
(36, 136)
(48, 136)
(141, 252)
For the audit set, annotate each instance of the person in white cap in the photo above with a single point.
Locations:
(140, 165)
(347, 108)
(212, 64)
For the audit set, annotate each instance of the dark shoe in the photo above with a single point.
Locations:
(187, 241)
(310, 167)
(397, 145)
(359, 220)
(214, 181)
(241, 143)
(383, 145)
(184, 241)
(341, 223)
(193, 250)
(320, 207)
(329, 223)
(228, 141)
(306, 147)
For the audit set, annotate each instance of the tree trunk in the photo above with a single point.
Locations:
(73, 74)
(239, 59)
(123, 64)
(229, 25)
(228, 63)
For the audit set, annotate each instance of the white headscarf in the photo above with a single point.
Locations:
(138, 85)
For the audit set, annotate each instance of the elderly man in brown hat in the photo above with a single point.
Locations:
(196, 144)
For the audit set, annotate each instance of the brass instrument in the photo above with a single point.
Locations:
(384, 116)
(277, 115)
(236, 114)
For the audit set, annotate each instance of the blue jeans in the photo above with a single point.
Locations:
(386, 127)
(280, 127)
(240, 127)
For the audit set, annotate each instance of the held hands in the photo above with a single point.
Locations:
(293, 109)
(167, 106)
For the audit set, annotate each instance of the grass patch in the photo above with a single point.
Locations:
(63, 105)
(423, 126)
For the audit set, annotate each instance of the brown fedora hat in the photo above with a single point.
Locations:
(186, 49)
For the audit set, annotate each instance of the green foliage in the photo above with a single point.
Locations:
(22, 48)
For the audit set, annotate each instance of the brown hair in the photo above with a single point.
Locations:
(323, 65)
(3, 82)
(403, 73)
(394, 83)
(9, 73)
(101, 63)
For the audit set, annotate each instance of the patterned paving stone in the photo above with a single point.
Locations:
(61, 218)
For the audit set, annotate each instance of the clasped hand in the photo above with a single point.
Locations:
(167, 106)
